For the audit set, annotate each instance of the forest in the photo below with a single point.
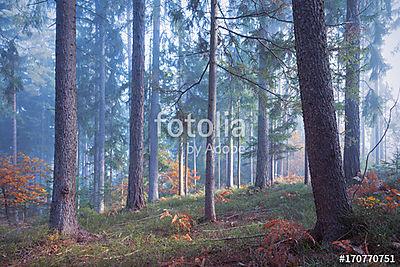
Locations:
(199, 132)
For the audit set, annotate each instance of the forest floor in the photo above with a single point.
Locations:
(156, 237)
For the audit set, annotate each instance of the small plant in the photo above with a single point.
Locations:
(223, 196)
(182, 223)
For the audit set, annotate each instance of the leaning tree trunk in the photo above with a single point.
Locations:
(63, 210)
(135, 200)
(322, 139)
(212, 107)
(155, 105)
(351, 158)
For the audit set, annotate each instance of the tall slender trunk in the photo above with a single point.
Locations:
(322, 138)
(181, 182)
(238, 148)
(194, 160)
(251, 135)
(377, 130)
(229, 181)
(63, 210)
(135, 200)
(212, 106)
(186, 168)
(351, 158)
(155, 105)
(101, 35)
(262, 166)
(14, 127)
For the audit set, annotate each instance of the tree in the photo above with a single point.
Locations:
(322, 140)
(101, 134)
(63, 210)
(351, 158)
(18, 182)
(155, 105)
(263, 154)
(135, 199)
(212, 106)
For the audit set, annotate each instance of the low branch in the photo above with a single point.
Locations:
(252, 82)
(193, 85)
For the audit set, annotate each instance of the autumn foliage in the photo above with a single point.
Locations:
(373, 193)
(181, 222)
(280, 241)
(170, 179)
(18, 182)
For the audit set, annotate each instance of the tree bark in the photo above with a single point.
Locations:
(63, 210)
(212, 106)
(322, 139)
(135, 200)
(351, 158)
(155, 105)
(262, 118)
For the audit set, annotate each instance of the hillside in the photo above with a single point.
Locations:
(149, 238)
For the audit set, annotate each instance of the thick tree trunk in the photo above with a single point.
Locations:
(63, 210)
(155, 105)
(351, 158)
(135, 200)
(101, 34)
(212, 106)
(322, 139)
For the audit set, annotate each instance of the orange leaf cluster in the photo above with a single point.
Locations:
(182, 222)
(170, 179)
(373, 192)
(221, 196)
(282, 237)
(18, 181)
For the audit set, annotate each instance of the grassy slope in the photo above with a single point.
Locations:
(142, 239)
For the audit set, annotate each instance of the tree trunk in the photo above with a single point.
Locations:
(238, 148)
(181, 185)
(322, 139)
(212, 106)
(63, 210)
(14, 127)
(229, 181)
(351, 158)
(155, 105)
(251, 154)
(186, 168)
(262, 167)
(101, 31)
(135, 200)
